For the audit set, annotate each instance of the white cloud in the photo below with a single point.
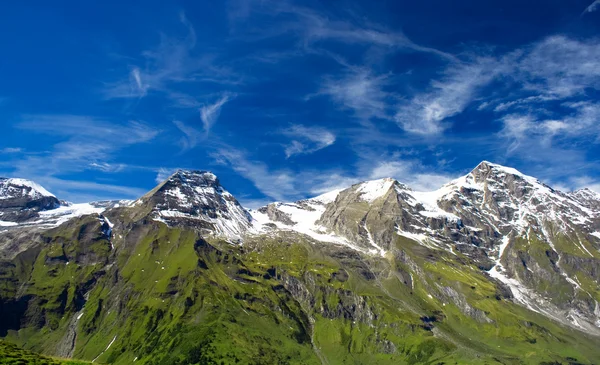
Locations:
(360, 91)
(83, 143)
(11, 150)
(409, 172)
(307, 140)
(172, 62)
(313, 26)
(581, 123)
(287, 185)
(593, 7)
(191, 135)
(210, 113)
(425, 113)
(277, 185)
(163, 174)
(560, 67)
(516, 129)
(90, 128)
(107, 167)
(523, 102)
(79, 191)
(554, 69)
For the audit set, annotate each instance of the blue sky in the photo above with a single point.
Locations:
(285, 100)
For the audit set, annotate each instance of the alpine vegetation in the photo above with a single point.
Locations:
(485, 269)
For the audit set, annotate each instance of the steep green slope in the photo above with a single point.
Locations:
(168, 296)
(13, 355)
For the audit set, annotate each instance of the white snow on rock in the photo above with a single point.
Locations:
(305, 215)
(16, 188)
(375, 189)
(58, 216)
(429, 201)
(198, 196)
(8, 224)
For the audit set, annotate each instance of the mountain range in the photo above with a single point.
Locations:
(494, 267)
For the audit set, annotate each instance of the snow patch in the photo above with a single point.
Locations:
(375, 189)
(8, 224)
(305, 216)
(60, 215)
(106, 349)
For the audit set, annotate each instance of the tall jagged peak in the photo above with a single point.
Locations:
(510, 200)
(195, 177)
(14, 188)
(491, 171)
(497, 179)
(196, 198)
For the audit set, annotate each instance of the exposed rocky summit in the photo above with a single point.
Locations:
(197, 198)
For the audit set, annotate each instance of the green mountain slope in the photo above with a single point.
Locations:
(13, 355)
(168, 296)
(378, 274)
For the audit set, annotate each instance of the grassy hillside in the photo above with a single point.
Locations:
(10, 354)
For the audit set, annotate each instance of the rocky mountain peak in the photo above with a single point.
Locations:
(195, 177)
(502, 176)
(197, 197)
(587, 197)
(13, 188)
(21, 200)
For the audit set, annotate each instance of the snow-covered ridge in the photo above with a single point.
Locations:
(17, 188)
(302, 218)
(198, 195)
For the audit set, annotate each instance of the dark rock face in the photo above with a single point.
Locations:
(197, 198)
(21, 200)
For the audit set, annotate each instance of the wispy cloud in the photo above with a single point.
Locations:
(163, 173)
(560, 67)
(360, 91)
(83, 143)
(84, 191)
(409, 172)
(11, 150)
(581, 123)
(289, 185)
(554, 69)
(191, 135)
(313, 26)
(174, 61)
(82, 127)
(107, 167)
(210, 113)
(517, 128)
(425, 113)
(277, 185)
(592, 7)
(307, 140)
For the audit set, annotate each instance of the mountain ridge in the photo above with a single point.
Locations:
(494, 249)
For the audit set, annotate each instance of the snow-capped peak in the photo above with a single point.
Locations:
(198, 196)
(374, 189)
(20, 188)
